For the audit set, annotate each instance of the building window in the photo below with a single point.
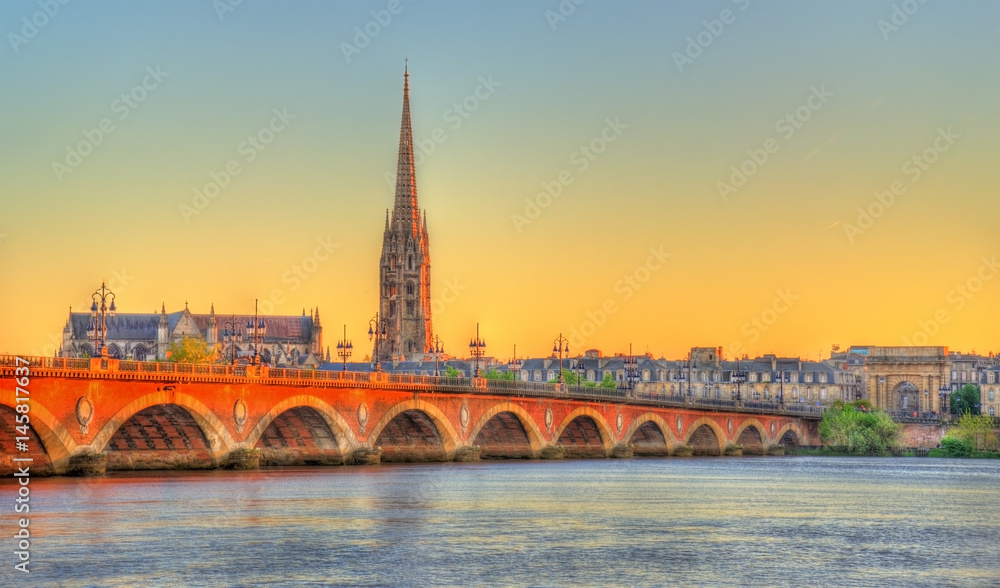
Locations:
(822, 393)
(822, 377)
(645, 375)
(392, 289)
(808, 378)
(409, 262)
(795, 378)
(765, 377)
(590, 375)
(992, 395)
(409, 308)
(538, 375)
(392, 308)
(409, 288)
(139, 353)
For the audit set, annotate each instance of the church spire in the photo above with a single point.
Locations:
(406, 209)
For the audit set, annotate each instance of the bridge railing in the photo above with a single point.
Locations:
(431, 383)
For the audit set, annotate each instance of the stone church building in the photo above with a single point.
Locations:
(289, 341)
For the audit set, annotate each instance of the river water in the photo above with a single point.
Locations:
(789, 521)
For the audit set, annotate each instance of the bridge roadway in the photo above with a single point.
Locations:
(92, 415)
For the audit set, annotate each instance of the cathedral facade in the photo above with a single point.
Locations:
(293, 341)
(405, 263)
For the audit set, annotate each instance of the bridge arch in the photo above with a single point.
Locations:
(792, 428)
(534, 434)
(56, 442)
(449, 437)
(343, 435)
(219, 439)
(752, 435)
(716, 431)
(642, 422)
(603, 429)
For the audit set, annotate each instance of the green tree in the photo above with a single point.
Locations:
(451, 372)
(860, 433)
(494, 374)
(192, 350)
(965, 400)
(571, 378)
(608, 381)
(978, 431)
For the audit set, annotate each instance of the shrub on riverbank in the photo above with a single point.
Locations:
(859, 432)
(972, 436)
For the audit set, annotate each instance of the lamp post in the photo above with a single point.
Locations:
(943, 393)
(255, 333)
(437, 349)
(97, 330)
(477, 347)
(878, 394)
(344, 349)
(514, 364)
(631, 371)
(232, 334)
(738, 377)
(579, 371)
(781, 375)
(376, 330)
(559, 345)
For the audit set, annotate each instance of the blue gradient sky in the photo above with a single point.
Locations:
(323, 177)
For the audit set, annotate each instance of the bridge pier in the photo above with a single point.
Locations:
(623, 451)
(88, 464)
(553, 452)
(243, 459)
(365, 456)
(471, 453)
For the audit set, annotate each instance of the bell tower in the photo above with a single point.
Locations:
(405, 265)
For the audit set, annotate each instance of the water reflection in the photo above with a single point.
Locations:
(719, 521)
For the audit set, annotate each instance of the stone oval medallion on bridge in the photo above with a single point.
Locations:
(240, 414)
(729, 425)
(680, 424)
(463, 417)
(619, 422)
(362, 416)
(84, 413)
(772, 428)
(548, 420)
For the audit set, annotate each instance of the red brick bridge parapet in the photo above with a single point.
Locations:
(88, 415)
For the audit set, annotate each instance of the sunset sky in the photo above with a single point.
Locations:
(98, 173)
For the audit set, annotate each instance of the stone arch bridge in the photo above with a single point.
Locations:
(88, 415)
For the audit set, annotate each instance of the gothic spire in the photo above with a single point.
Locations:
(406, 208)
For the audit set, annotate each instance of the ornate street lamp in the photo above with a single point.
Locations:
(232, 334)
(477, 347)
(781, 375)
(878, 397)
(97, 330)
(944, 401)
(738, 377)
(579, 371)
(559, 345)
(376, 330)
(515, 363)
(631, 371)
(344, 349)
(437, 349)
(255, 331)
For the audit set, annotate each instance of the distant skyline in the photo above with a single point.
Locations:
(769, 177)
